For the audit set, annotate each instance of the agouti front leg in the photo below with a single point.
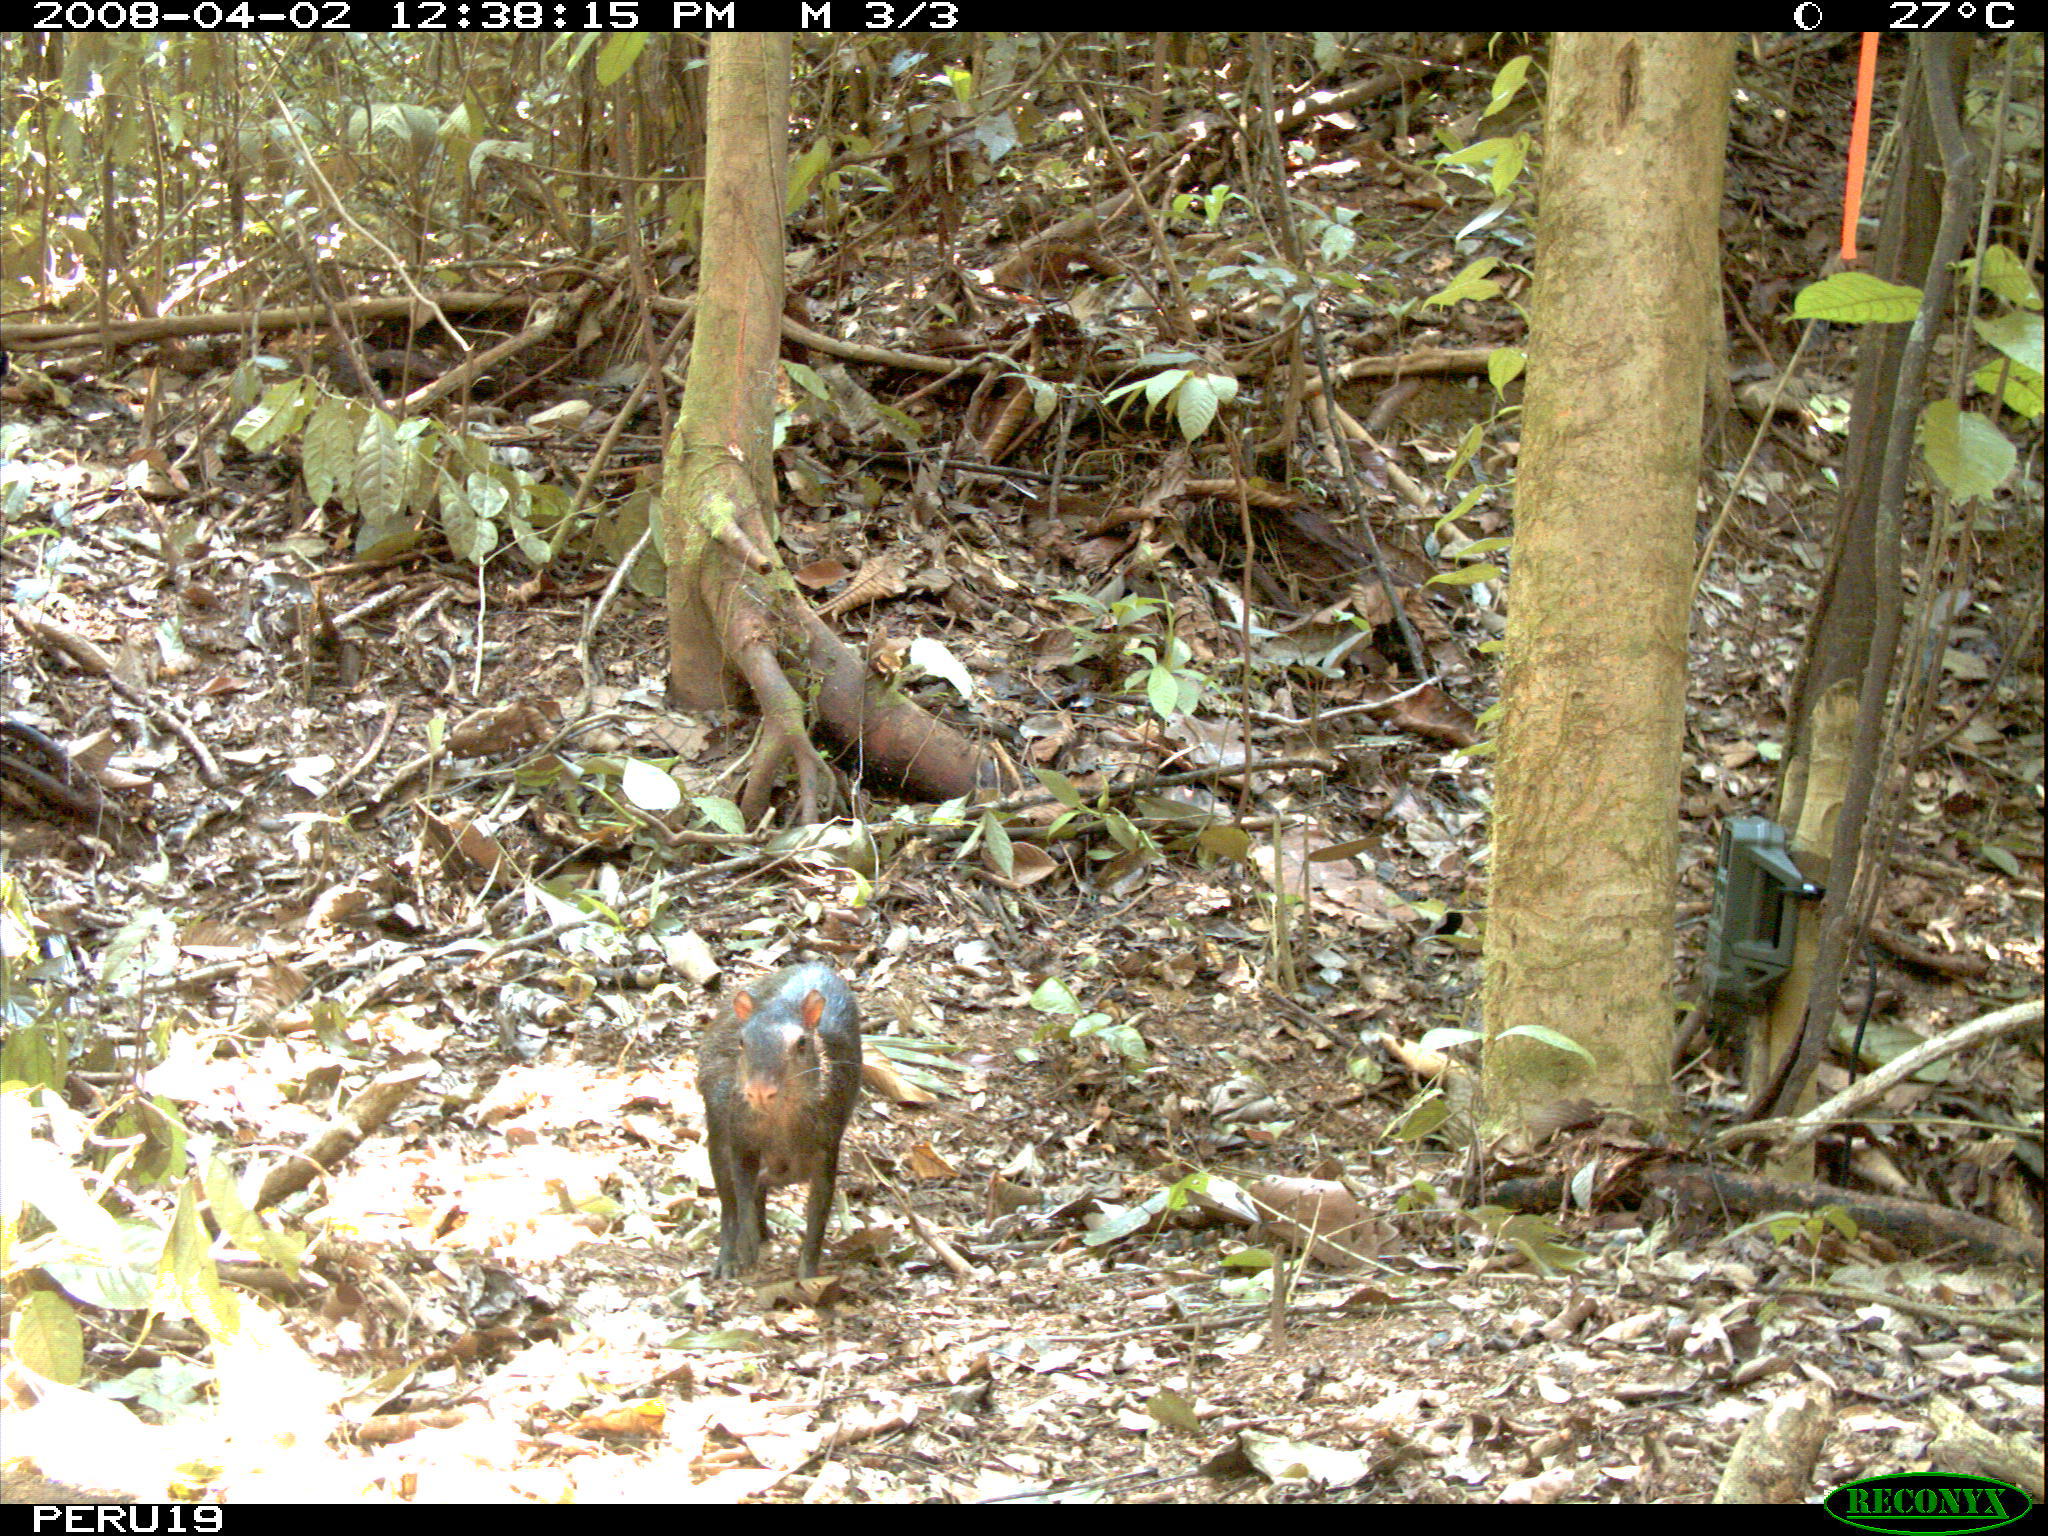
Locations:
(742, 1209)
(817, 1211)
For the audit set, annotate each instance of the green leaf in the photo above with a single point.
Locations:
(1121, 1038)
(1504, 365)
(271, 419)
(2016, 334)
(1225, 842)
(1551, 1038)
(1473, 154)
(1060, 787)
(41, 1176)
(1054, 996)
(535, 501)
(1170, 1410)
(1448, 1037)
(244, 1227)
(720, 812)
(618, 55)
(48, 1339)
(1469, 444)
(458, 519)
(1162, 692)
(1422, 1118)
(1196, 406)
(718, 1340)
(1966, 453)
(2003, 273)
(1507, 82)
(1856, 298)
(1535, 1237)
(2023, 390)
(1467, 576)
(902, 426)
(1513, 156)
(1472, 283)
(328, 446)
(1999, 858)
(1000, 853)
(1132, 1219)
(1119, 827)
(1162, 385)
(119, 1281)
(1465, 504)
(1043, 396)
(805, 377)
(185, 1269)
(378, 487)
(804, 170)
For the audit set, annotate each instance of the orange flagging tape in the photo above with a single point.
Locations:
(1859, 145)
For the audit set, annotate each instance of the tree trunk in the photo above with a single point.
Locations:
(1580, 919)
(733, 610)
(1852, 654)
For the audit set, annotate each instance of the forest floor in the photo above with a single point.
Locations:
(505, 1287)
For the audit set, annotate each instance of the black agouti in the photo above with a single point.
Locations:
(779, 1075)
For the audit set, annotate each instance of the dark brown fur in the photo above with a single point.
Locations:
(779, 1074)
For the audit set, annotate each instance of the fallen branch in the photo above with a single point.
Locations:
(1798, 1130)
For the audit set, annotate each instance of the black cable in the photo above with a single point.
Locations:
(1869, 1002)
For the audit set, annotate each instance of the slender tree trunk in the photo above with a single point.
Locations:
(1580, 920)
(733, 610)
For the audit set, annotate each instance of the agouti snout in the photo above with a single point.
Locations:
(779, 1075)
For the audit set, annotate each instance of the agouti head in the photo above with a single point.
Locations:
(778, 1054)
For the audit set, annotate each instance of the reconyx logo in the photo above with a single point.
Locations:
(1925, 1502)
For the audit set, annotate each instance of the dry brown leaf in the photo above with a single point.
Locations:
(1343, 1232)
(1029, 864)
(879, 1077)
(449, 838)
(821, 573)
(275, 989)
(642, 1418)
(508, 728)
(1341, 888)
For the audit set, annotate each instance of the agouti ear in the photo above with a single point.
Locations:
(814, 1009)
(742, 1006)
